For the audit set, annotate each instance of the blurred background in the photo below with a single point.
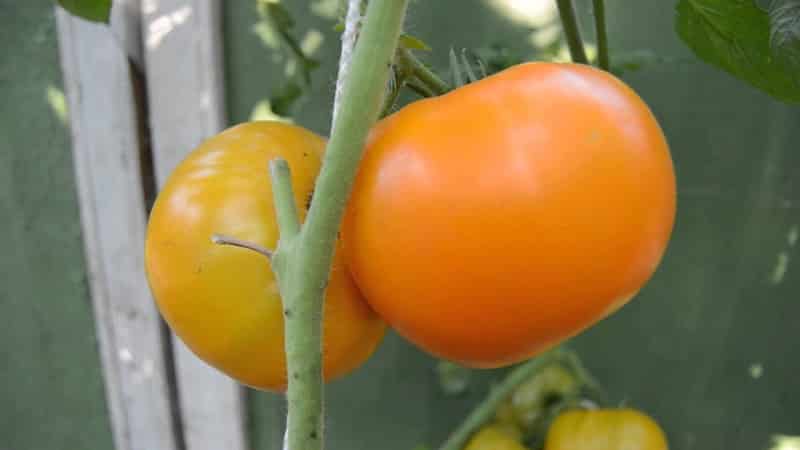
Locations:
(709, 347)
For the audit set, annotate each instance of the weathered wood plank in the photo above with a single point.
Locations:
(183, 60)
(105, 140)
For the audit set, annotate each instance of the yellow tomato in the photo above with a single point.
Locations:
(495, 437)
(223, 301)
(605, 429)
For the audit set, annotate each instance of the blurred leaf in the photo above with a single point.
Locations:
(734, 35)
(498, 57)
(784, 39)
(280, 20)
(453, 379)
(94, 10)
(634, 60)
(282, 100)
(279, 15)
(413, 43)
(456, 73)
(276, 19)
(785, 442)
(263, 111)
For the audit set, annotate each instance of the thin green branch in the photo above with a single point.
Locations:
(486, 410)
(391, 98)
(571, 31)
(424, 73)
(602, 35)
(419, 88)
(455, 69)
(303, 262)
(588, 382)
(285, 207)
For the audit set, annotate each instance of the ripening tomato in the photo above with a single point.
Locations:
(491, 223)
(605, 429)
(223, 301)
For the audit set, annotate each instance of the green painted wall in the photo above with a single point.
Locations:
(724, 301)
(717, 307)
(51, 390)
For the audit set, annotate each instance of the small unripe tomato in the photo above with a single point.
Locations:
(495, 437)
(605, 429)
(223, 301)
(495, 221)
(529, 399)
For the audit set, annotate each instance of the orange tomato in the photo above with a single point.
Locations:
(495, 221)
(223, 301)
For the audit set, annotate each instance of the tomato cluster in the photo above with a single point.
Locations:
(581, 429)
(553, 410)
(485, 226)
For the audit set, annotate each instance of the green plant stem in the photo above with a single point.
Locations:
(602, 35)
(424, 73)
(588, 382)
(571, 30)
(302, 263)
(484, 412)
(420, 89)
(288, 223)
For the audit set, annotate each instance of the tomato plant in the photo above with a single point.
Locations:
(492, 222)
(531, 399)
(223, 301)
(605, 429)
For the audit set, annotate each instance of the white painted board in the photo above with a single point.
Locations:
(105, 141)
(183, 62)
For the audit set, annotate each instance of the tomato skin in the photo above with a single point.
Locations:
(497, 220)
(605, 429)
(222, 301)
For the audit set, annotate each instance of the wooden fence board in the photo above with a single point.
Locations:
(105, 140)
(183, 60)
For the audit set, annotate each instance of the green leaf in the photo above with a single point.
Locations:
(413, 43)
(734, 35)
(280, 17)
(94, 10)
(784, 38)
